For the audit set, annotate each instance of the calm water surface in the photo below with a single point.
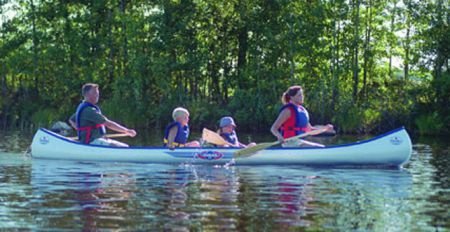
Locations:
(62, 195)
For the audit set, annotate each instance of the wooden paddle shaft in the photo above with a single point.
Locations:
(262, 146)
(107, 136)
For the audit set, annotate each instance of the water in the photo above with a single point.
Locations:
(62, 195)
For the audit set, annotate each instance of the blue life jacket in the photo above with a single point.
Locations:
(88, 129)
(230, 137)
(297, 123)
(181, 137)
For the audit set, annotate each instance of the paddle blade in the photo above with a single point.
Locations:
(251, 150)
(212, 137)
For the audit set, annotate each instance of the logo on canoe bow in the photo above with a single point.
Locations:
(209, 155)
(44, 140)
(396, 140)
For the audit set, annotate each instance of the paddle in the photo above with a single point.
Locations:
(312, 144)
(214, 138)
(262, 146)
(107, 136)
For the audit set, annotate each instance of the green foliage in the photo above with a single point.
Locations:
(349, 119)
(430, 124)
(359, 68)
(45, 117)
(371, 117)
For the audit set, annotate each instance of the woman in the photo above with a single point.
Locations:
(293, 118)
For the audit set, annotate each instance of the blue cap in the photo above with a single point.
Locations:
(225, 121)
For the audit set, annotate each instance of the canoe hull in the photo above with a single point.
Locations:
(391, 149)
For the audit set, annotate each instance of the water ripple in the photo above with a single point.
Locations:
(63, 195)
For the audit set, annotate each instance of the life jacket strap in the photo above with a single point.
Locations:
(166, 142)
(88, 130)
(305, 129)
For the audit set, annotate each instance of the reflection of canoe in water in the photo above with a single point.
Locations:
(390, 149)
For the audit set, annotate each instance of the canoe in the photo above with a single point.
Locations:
(390, 149)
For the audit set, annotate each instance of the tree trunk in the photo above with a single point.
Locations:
(391, 45)
(111, 47)
(291, 49)
(335, 65)
(355, 53)
(35, 51)
(242, 53)
(242, 44)
(367, 49)
(407, 50)
(3, 104)
(407, 42)
(123, 5)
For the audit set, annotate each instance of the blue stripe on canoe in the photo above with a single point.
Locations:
(206, 154)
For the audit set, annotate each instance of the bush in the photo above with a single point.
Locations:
(45, 117)
(430, 124)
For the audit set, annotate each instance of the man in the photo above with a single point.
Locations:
(90, 123)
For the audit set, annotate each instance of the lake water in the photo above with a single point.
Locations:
(61, 195)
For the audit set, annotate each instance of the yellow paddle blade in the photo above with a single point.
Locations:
(212, 137)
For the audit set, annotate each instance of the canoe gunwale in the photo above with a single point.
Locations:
(53, 134)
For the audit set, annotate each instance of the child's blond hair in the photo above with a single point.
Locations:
(179, 111)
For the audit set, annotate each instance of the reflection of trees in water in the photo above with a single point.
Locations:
(364, 200)
(14, 192)
(430, 166)
(105, 203)
(81, 196)
(273, 199)
(14, 141)
(200, 197)
(196, 197)
(317, 199)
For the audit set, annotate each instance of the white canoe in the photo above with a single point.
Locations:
(390, 149)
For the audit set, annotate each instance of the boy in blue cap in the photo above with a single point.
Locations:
(227, 131)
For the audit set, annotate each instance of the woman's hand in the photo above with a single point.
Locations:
(130, 132)
(280, 138)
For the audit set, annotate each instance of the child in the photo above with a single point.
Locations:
(227, 132)
(177, 133)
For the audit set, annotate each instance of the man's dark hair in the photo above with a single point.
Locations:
(86, 87)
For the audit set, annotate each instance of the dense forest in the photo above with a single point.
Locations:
(365, 65)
